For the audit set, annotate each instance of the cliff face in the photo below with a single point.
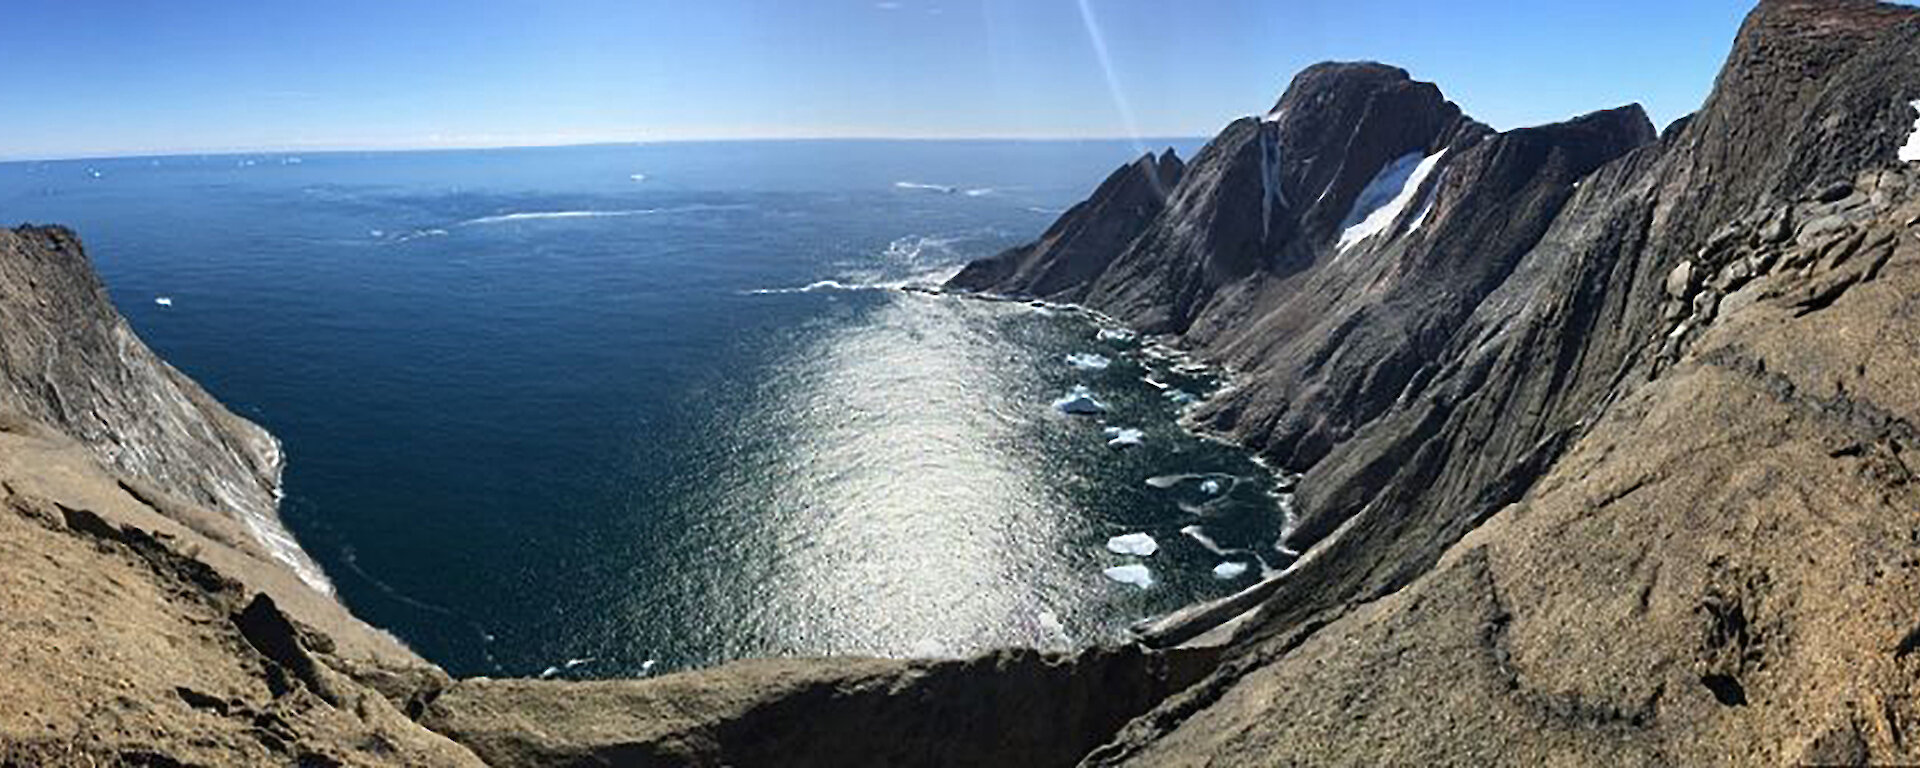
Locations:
(1613, 360)
(1606, 436)
(70, 361)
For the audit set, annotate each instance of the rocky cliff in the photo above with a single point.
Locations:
(1604, 435)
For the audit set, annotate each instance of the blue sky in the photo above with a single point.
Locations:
(140, 76)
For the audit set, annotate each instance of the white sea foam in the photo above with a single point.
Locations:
(1386, 197)
(1137, 544)
(1231, 569)
(557, 215)
(981, 192)
(1911, 152)
(1080, 401)
(1088, 361)
(1134, 573)
(941, 188)
(1124, 437)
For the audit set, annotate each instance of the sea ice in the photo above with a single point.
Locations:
(1080, 401)
(1138, 544)
(1123, 437)
(637, 176)
(1229, 570)
(1181, 396)
(165, 301)
(1088, 361)
(1118, 335)
(1386, 197)
(1134, 574)
(1210, 486)
(1911, 152)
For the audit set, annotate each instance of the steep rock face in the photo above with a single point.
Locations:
(1085, 239)
(69, 360)
(1014, 707)
(1619, 356)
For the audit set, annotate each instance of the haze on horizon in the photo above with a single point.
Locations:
(135, 77)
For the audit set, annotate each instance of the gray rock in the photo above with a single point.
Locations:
(1680, 280)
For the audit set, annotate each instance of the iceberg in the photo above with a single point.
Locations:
(1119, 437)
(1088, 361)
(1138, 544)
(1136, 574)
(1079, 401)
(1230, 569)
(165, 301)
(1210, 487)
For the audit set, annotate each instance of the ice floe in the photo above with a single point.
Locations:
(1124, 437)
(1134, 574)
(1180, 396)
(1138, 544)
(637, 176)
(1231, 569)
(1386, 197)
(165, 301)
(1911, 152)
(1080, 401)
(1210, 487)
(1088, 361)
(1117, 335)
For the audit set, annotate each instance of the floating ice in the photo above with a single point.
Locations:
(1134, 574)
(1051, 624)
(926, 648)
(1210, 486)
(1181, 396)
(646, 667)
(1118, 335)
(637, 176)
(549, 673)
(1088, 361)
(1230, 569)
(1138, 544)
(165, 301)
(1386, 197)
(981, 192)
(94, 173)
(1911, 152)
(1206, 542)
(1119, 437)
(1079, 401)
(1155, 383)
(572, 663)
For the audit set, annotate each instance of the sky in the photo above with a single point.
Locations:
(115, 77)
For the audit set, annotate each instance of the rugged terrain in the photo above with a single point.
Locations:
(1604, 434)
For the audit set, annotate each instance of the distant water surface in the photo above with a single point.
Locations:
(650, 407)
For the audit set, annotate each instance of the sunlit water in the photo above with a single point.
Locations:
(538, 409)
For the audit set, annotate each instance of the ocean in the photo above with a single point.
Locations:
(617, 410)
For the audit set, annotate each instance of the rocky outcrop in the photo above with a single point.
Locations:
(71, 362)
(1082, 241)
(1014, 707)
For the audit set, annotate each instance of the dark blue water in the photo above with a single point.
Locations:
(551, 404)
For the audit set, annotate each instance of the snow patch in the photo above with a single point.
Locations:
(1386, 197)
(1911, 152)
(1137, 544)
(1135, 574)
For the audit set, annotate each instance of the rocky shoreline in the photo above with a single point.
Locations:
(1604, 432)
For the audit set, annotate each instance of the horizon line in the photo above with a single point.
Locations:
(6, 159)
